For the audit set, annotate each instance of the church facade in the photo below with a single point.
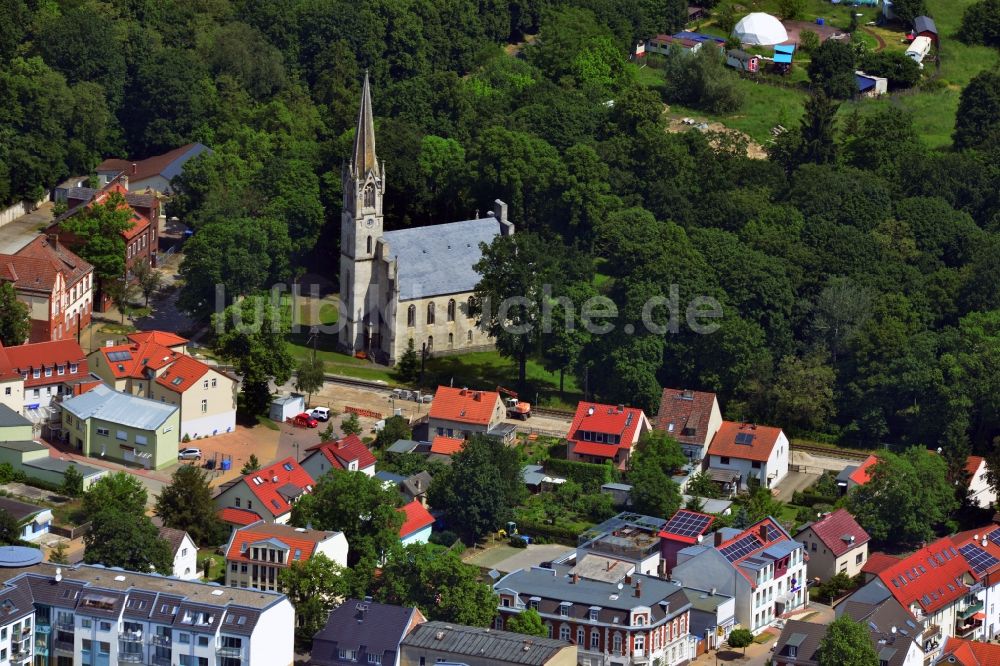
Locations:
(410, 284)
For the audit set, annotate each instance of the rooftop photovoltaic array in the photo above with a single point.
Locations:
(994, 536)
(744, 438)
(119, 356)
(978, 558)
(771, 531)
(741, 548)
(687, 524)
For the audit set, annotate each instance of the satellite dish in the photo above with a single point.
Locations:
(894, 630)
(620, 586)
(701, 538)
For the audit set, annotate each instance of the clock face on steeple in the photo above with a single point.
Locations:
(370, 222)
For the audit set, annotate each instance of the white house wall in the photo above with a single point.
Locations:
(272, 643)
(335, 548)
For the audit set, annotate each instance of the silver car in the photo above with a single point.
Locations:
(189, 454)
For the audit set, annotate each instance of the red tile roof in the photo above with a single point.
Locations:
(862, 474)
(594, 449)
(151, 166)
(933, 577)
(268, 485)
(36, 266)
(760, 447)
(464, 405)
(342, 452)
(878, 562)
(836, 530)
(141, 357)
(73, 267)
(972, 465)
(417, 518)
(685, 414)
(295, 538)
(618, 421)
(182, 373)
(159, 337)
(447, 445)
(24, 359)
(235, 516)
(970, 653)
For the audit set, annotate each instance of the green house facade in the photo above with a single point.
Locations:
(121, 427)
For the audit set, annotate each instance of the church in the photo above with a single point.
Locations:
(409, 284)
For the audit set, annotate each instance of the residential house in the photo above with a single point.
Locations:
(171, 341)
(600, 433)
(798, 644)
(663, 44)
(140, 239)
(34, 520)
(690, 417)
(122, 427)
(55, 284)
(33, 459)
(981, 549)
(855, 475)
(93, 615)
(961, 652)
(893, 630)
(39, 373)
(462, 412)
(685, 528)
(258, 553)
(924, 26)
(184, 552)
(750, 451)
(153, 173)
(417, 524)
(713, 617)
(449, 643)
(627, 537)
(346, 454)
(414, 487)
(205, 396)
(937, 586)
(268, 492)
(836, 544)
(636, 619)
(742, 61)
(981, 493)
(762, 567)
(363, 632)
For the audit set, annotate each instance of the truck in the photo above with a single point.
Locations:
(918, 49)
(516, 409)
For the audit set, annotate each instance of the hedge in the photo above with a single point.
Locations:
(555, 532)
(588, 475)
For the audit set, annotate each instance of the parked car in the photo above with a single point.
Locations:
(189, 454)
(303, 420)
(320, 413)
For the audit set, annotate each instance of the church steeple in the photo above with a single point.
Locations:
(363, 160)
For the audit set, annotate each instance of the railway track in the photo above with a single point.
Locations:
(829, 453)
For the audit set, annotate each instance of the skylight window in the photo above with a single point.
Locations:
(177, 381)
(288, 467)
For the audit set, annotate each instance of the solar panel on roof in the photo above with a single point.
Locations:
(994, 536)
(119, 356)
(978, 559)
(744, 438)
(741, 548)
(771, 532)
(687, 523)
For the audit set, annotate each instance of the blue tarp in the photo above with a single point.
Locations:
(783, 58)
(698, 37)
(864, 83)
(784, 48)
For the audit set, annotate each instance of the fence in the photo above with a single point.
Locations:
(10, 214)
(70, 532)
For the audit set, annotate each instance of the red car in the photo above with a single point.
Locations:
(303, 420)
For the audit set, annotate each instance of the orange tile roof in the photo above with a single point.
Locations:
(182, 373)
(972, 465)
(464, 405)
(304, 541)
(447, 445)
(933, 577)
(862, 474)
(342, 452)
(24, 359)
(970, 653)
(140, 358)
(878, 562)
(151, 166)
(595, 449)
(417, 518)
(273, 484)
(593, 417)
(760, 447)
(235, 516)
(159, 337)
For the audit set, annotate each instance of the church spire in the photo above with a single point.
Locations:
(363, 160)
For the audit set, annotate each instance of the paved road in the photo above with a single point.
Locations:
(24, 229)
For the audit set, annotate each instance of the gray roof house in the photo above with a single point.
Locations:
(437, 642)
(363, 632)
(798, 644)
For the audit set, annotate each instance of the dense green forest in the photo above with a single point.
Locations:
(859, 272)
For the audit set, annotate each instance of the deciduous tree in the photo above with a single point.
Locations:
(15, 327)
(847, 643)
(978, 119)
(740, 638)
(350, 425)
(99, 230)
(832, 69)
(527, 622)
(654, 461)
(313, 587)
(121, 534)
(309, 377)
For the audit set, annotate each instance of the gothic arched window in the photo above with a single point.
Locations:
(411, 316)
(451, 310)
(451, 340)
(430, 312)
(430, 343)
(369, 245)
(369, 196)
(470, 337)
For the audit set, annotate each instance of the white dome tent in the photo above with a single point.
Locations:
(761, 29)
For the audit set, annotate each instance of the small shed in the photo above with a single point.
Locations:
(923, 26)
(621, 493)
(871, 86)
(696, 13)
(742, 61)
(285, 407)
(661, 44)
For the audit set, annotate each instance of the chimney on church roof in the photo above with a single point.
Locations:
(363, 160)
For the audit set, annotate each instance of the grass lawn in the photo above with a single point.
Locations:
(217, 570)
(69, 513)
(267, 423)
(764, 637)
(538, 509)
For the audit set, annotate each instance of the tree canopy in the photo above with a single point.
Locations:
(847, 643)
(121, 534)
(187, 504)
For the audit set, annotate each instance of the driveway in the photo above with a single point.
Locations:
(24, 229)
(792, 483)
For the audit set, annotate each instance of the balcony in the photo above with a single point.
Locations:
(43, 628)
(66, 625)
(129, 657)
(161, 640)
(63, 646)
(157, 660)
(970, 610)
(20, 658)
(130, 636)
(231, 652)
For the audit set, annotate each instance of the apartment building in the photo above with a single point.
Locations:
(61, 616)
(33, 375)
(762, 567)
(633, 619)
(258, 553)
(627, 537)
(600, 433)
(448, 643)
(363, 632)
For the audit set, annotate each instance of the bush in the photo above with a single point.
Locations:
(591, 477)
(702, 81)
(554, 532)
(981, 23)
(444, 538)
(901, 71)
(8, 473)
(809, 40)
(517, 542)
